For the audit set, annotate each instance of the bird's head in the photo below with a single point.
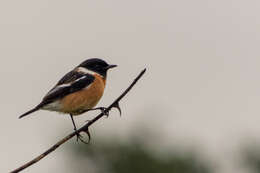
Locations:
(96, 65)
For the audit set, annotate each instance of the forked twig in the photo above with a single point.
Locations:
(115, 104)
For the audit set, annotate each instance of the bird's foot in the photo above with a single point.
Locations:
(80, 137)
(105, 110)
(102, 109)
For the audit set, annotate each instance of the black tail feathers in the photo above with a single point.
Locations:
(30, 111)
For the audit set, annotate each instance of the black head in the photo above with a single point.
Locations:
(97, 65)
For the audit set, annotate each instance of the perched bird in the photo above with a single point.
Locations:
(78, 91)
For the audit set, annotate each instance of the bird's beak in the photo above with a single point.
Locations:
(110, 66)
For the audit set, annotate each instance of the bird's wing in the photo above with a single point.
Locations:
(70, 83)
(69, 77)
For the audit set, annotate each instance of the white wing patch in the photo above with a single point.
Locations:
(58, 87)
(83, 77)
(64, 85)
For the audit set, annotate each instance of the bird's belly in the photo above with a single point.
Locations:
(84, 99)
(54, 106)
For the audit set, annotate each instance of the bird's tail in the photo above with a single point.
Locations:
(30, 111)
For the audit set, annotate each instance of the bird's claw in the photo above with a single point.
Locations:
(80, 137)
(104, 111)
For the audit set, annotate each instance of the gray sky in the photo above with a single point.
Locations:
(202, 83)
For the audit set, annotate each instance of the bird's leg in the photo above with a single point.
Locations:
(74, 125)
(79, 137)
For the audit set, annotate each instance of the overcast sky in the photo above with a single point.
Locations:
(201, 87)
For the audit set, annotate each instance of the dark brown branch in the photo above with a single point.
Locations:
(115, 104)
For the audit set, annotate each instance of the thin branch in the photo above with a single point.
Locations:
(115, 104)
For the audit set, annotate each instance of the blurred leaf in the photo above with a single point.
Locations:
(251, 156)
(120, 157)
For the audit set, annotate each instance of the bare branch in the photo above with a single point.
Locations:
(115, 104)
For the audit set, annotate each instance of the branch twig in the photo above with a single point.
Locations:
(115, 104)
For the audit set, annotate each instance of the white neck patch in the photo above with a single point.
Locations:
(86, 71)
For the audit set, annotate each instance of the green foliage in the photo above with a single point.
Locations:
(251, 157)
(134, 157)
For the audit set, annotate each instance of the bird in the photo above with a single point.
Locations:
(78, 91)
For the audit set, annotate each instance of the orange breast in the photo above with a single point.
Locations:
(84, 99)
